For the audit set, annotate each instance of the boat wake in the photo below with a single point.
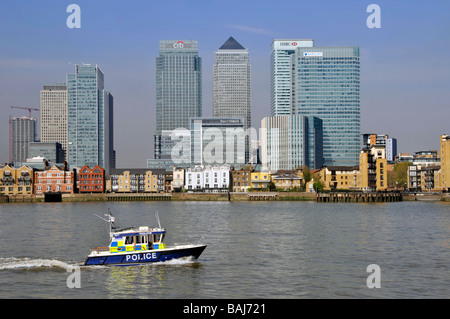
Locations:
(13, 263)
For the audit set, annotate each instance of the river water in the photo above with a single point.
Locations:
(255, 250)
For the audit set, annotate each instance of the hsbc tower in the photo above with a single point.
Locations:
(282, 80)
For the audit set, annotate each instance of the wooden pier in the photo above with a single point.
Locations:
(358, 197)
(262, 196)
(138, 197)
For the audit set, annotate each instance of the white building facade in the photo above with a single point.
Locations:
(208, 179)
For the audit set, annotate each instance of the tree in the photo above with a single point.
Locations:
(306, 174)
(271, 187)
(401, 174)
(318, 185)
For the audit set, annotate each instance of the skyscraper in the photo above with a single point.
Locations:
(90, 119)
(291, 141)
(54, 115)
(231, 85)
(231, 82)
(327, 86)
(178, 88)
(23, 131)
(282, 80)
(323, 82)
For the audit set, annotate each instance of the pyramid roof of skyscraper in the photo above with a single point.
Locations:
(231, 44)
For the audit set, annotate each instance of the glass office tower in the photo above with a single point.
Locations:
(327, 86)
(291, 141)
(178, 88)
(90, 119)
(23, 132)
(282, 79)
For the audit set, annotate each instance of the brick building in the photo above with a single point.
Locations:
(91, 180)
(54, 179)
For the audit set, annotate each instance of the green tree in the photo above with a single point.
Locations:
(306, 174)
(401, 174)
(318, 185)
(271, 187)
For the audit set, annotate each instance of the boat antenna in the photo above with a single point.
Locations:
(157, 218)
(110, 219)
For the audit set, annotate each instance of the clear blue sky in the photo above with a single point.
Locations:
(405, 68)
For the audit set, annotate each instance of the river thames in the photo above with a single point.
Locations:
(269, 250)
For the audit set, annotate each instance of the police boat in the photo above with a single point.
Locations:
(139, 245)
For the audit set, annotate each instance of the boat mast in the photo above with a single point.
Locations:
(110, 220)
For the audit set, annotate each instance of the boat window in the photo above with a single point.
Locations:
(158, 237)
(138, 239)
(128, 240)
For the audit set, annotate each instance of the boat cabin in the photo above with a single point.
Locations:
(137, 239)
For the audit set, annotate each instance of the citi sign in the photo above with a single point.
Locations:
(178, 45)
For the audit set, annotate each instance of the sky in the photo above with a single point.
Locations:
(405, 66)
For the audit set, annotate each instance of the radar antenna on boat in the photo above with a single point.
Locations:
(110, 219)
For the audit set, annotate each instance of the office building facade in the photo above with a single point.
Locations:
(327, 86)
(217, 141)
(232, 85)
(50, 151)
(282, 79)
(54, 115)
(23, 132)
(231, 82)
(291, 141)
(90, 119)
(178, 87)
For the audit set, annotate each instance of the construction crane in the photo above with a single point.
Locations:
(25, 108)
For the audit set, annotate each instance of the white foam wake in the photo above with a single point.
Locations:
(13, 263)
(178, 261)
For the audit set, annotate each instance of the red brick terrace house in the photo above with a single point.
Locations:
(54, 179)
(91, 180)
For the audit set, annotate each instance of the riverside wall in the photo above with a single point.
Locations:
(250, 196)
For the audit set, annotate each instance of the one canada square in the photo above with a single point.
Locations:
(231, 85)
(178, 88)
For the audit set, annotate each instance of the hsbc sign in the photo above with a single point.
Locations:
(287, 44)
(292, 44)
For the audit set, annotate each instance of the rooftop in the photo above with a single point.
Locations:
(231, 44)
